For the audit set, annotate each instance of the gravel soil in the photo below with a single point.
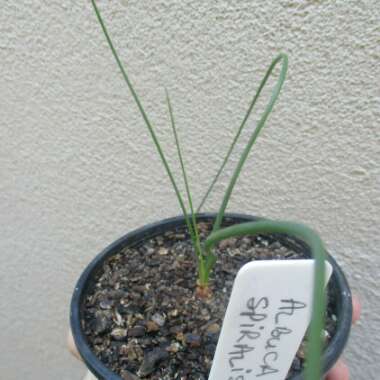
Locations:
(143, 319)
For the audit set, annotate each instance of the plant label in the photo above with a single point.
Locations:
(266, 319)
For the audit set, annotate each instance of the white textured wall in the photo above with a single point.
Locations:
(78, 169)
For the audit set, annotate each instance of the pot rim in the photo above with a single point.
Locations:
(96, 366)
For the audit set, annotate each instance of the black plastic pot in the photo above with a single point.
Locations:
(338, 282)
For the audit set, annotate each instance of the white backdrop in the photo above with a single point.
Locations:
(77, 169)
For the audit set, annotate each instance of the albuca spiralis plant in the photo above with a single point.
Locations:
(205, 251)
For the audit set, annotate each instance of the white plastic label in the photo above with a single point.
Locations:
(266, 319)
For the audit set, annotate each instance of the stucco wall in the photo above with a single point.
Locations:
(77, 169)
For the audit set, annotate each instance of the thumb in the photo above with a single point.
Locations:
(71, 345)
(339, 372)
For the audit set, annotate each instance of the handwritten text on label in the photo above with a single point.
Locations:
(266, 319)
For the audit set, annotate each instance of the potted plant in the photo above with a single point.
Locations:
(151, 305)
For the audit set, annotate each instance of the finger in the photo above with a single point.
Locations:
(356, 308)
(71, 345)
(338, 372)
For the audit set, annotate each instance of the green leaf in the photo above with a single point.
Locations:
(143, 114)
(275, 93)
(311, 238)
(197, 246)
